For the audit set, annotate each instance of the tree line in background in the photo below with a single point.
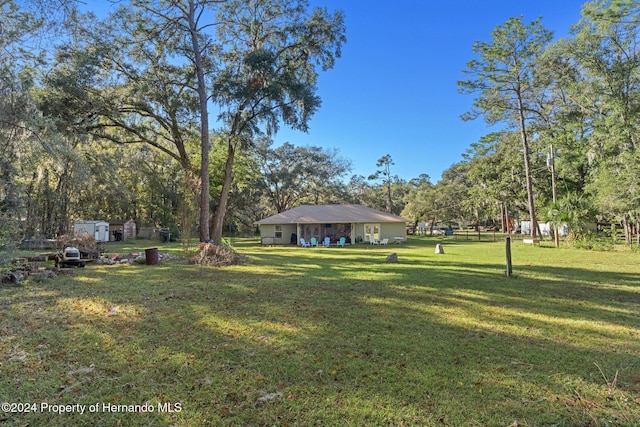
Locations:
(570, 114)
(113, 123)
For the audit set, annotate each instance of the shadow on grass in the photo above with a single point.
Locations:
(341, 338)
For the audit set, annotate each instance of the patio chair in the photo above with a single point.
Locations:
(326, 242)
(341, 242)
(304, 243)
(384, 241)
(314, 242)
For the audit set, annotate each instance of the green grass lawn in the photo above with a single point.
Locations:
(331, 337)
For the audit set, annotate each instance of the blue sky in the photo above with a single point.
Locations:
(394, 90)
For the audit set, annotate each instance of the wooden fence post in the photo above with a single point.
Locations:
(507, 244)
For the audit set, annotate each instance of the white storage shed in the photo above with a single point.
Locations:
(98, 229)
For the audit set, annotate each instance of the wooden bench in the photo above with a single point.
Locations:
(531, 241)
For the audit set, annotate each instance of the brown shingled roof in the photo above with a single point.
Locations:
(324, 214)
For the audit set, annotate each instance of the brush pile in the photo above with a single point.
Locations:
(85, 243)
(216, 255)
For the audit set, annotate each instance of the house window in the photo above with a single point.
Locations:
(278, 232)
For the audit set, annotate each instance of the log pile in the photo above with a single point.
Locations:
(13, 277)
(16, 277)
(29, 268)
(216, 255)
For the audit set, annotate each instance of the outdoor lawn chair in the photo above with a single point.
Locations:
(341, 242)
(326, 242)
(384, 241)
(304, 243)
(314, 242)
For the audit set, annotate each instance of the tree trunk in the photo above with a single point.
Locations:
(205, 144)
(556, 236)
(627, 232)
(218, 222)
(32, 209)
(62, 191)
(527, 168)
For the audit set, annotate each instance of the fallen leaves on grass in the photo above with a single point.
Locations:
(17, 355)
(267, 397)
(82, 371)
(77, 378)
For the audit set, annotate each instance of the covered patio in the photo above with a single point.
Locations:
(334, 231)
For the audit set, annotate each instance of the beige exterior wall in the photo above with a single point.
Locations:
(388, 230)
(268, 234)
(357, 233)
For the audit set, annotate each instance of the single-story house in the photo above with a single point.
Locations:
(122, 230)
(97, 229)
(356, 223)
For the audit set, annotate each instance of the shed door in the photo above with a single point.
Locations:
(102, 233)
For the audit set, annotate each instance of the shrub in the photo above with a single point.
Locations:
(593, 242)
